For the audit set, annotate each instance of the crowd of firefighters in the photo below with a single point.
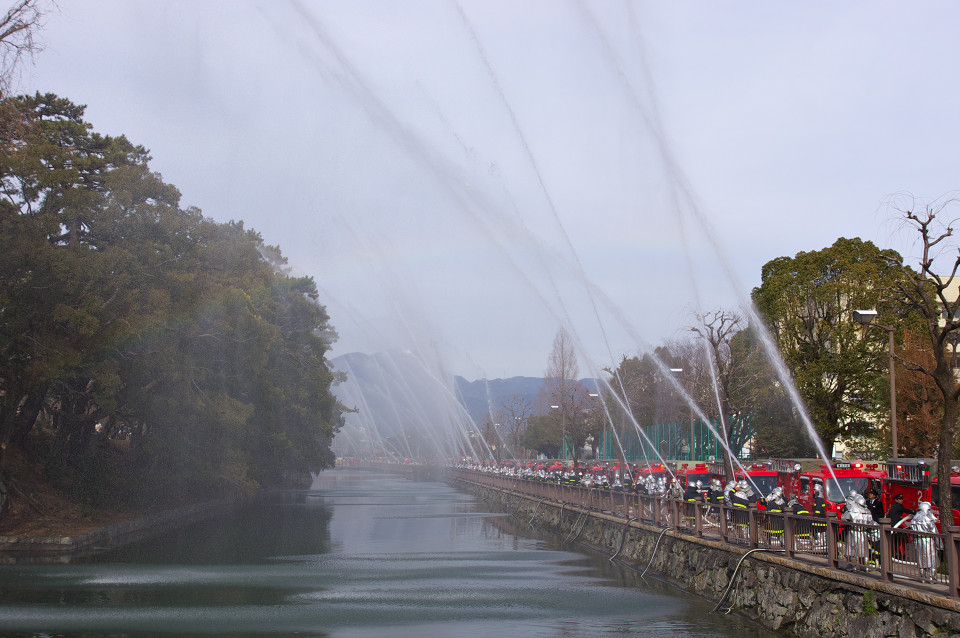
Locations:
(860, 494)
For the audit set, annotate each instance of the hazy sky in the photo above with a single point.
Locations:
(461, 178)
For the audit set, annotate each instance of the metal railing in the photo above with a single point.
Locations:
(888, 553)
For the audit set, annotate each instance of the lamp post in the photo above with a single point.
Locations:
(678, 372)
(516, 437)
(866, 317)
(563, 431)
(596, 395)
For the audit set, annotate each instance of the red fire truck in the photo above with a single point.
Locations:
(911, 477)
(597, 476)
(761, 477)
(837, 481)
(702, 472)
(656, 470)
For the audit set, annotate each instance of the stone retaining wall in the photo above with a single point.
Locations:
(64, 548)
(788, 596)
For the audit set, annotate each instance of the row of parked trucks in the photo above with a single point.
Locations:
(909, 477)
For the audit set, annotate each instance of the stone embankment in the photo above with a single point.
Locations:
(47, 549)
(790, 597)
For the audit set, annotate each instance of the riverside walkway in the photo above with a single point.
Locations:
(924, 561)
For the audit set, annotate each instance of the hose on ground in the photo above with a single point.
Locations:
(623, 537)
(653, 554)
(519, 504)
(736, 570)
(534, 515)
(574, 526)
(582, 526)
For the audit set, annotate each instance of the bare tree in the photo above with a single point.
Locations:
(493, 436)
(517, 411)
(717, 330)
(567, 394)
(17, 30)
(562, 367)
(934, 297)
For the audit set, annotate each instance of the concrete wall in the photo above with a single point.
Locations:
(788, 596)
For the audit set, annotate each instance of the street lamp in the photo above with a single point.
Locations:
(678, 372)
(563, 431)
(866, 318)
(596, 395)
(516, 437)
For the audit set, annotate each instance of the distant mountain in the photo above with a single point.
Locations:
(484, 396)
(394, 391)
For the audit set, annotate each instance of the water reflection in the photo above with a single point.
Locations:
(360, 553)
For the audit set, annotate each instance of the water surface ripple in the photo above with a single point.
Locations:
(358, 554)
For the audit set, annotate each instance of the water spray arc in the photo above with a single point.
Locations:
(651, 117)
(483, 213)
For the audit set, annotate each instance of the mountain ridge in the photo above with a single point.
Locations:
(382, 384)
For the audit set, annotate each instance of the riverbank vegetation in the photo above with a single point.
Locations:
(808, 307)
(148, 355)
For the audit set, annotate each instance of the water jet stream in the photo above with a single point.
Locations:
(485, 216)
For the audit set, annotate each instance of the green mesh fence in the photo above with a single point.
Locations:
(673, 441)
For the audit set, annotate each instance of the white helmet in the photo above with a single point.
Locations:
(924, 506)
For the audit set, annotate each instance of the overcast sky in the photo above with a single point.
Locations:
(461, 178)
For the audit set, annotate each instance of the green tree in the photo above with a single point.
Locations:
(641, 383)
(543, 434)
(124, 314)
(639, 393)
(808, 301)
(66, 298)
(775, 421)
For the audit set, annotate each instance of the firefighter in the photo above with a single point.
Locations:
(898, 512)
(740, 501)
(714, 497)
(898, 515)
(927, 559)
(691, 496)
(856, 543)
(728, 492)
(773, 519)
(819, 525)
(801, 528)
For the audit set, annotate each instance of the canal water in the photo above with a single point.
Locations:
(359, 554)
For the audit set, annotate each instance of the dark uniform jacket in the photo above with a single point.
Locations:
(876, 509)
(897, 512)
